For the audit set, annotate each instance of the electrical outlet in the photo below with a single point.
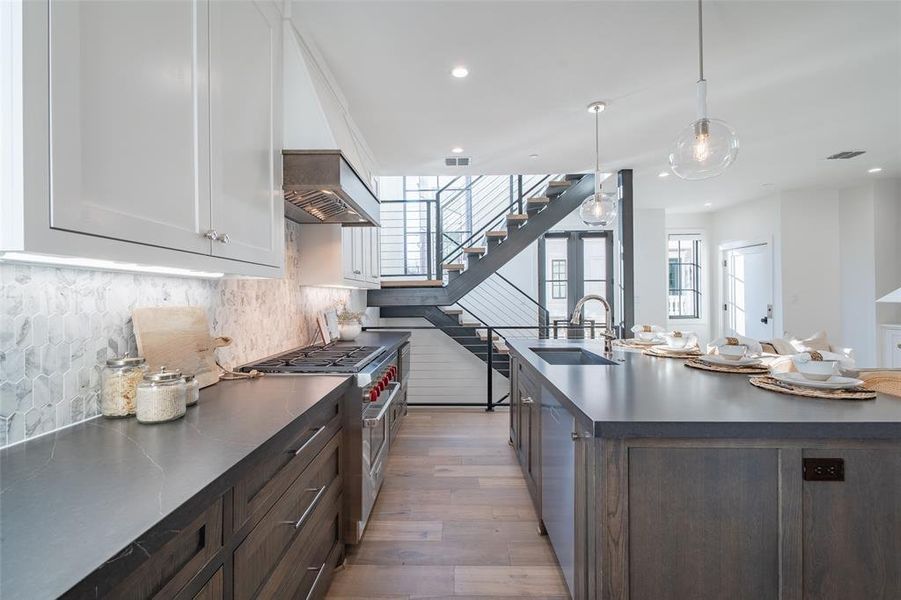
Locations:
(824, 469)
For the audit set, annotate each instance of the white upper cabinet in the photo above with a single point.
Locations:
(245, 145)
(331, 255)
(124, 111)
(151, 133)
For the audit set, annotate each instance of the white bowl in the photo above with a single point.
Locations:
(647, 336)
(815, 370)
(677, 342)
(733, 352)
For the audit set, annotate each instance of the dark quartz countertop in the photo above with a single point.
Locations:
(645, 396)
(72, 500)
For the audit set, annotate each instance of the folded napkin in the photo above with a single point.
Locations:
(844, 362)
(647, 329)
(754, 346)
(785, 364)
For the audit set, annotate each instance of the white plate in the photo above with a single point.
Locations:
(835, 382)
(715, 359)
(686, 350)
(645, 342)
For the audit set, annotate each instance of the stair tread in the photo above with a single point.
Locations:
(559, 183)
(401, 283)
(517, 217)
(452, 311)
(475, 250)
(483, 335)
(453, 266)
(470, 324)
(496, 233)
(538, 200)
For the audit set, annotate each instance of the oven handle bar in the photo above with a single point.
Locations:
(374, 421)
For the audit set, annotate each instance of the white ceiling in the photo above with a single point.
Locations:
(797, 80)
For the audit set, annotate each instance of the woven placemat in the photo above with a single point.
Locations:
(663, 354)
(774, 385)
(743, 369)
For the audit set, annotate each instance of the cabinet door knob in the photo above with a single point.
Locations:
(224, 238)
(357, 271)
(212, 235)
(527, 400)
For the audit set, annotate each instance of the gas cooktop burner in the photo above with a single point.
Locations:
(334, 358)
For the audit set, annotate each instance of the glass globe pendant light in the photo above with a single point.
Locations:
(599, 209)
(707, 146)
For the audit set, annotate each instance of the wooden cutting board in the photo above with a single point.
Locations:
(178, 337)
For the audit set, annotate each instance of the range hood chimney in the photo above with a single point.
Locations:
(322, 187)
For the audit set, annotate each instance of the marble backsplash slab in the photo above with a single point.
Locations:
(58, 326)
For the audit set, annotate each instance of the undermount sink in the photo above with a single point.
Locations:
(570, 356)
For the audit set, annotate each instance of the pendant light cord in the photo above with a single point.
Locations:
(700, 42)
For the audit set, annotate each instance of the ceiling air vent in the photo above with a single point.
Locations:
(845, 155)
(455, 161)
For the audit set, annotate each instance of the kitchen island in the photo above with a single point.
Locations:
(657, 481)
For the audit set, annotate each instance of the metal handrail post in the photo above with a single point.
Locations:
(490, 361)
(439, 237)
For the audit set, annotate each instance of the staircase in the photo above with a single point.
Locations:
(470, 234)
(494, 243)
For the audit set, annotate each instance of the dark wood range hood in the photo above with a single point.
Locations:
(322, 187)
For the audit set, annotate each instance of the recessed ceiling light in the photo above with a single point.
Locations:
(769, 185)
(708, 204)
(460, 72)
(533, 156)
(875, 170)
(597, 107)
(457, 150)
(663, 174)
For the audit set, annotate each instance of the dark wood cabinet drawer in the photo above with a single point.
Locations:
(289, 521)
(214, 588)
(267, 480)
(306, 569)
(170, 568)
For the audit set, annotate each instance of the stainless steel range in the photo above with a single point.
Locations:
(375, 406)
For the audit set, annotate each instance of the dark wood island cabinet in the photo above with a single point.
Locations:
(649, 493)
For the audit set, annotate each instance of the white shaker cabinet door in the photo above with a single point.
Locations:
(347, 253)
(245, 154)
(373, 271)
(126, 112)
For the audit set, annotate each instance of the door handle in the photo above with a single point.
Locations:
(764, 320)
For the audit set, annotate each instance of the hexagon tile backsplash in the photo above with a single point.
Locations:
(58, 326)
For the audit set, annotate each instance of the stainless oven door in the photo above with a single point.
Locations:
(376, 433)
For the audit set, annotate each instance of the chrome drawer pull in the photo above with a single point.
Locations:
(319, 573)
(311, 507)
(308, 442)
(527, 400)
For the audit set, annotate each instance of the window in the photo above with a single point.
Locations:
(558, 279)
(684, 256)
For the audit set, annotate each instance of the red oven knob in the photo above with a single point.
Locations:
(392, 372)
(373, 394)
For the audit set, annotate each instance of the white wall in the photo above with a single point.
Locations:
(444, 371)
(650, 266)
(834, 252)
(811, 281)
(857, 271)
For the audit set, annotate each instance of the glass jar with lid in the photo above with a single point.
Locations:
(161, 396)
(192, 390)
(118, 385)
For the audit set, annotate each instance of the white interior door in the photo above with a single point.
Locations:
(748, 278)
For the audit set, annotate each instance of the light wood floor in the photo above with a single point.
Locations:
(454, 518)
